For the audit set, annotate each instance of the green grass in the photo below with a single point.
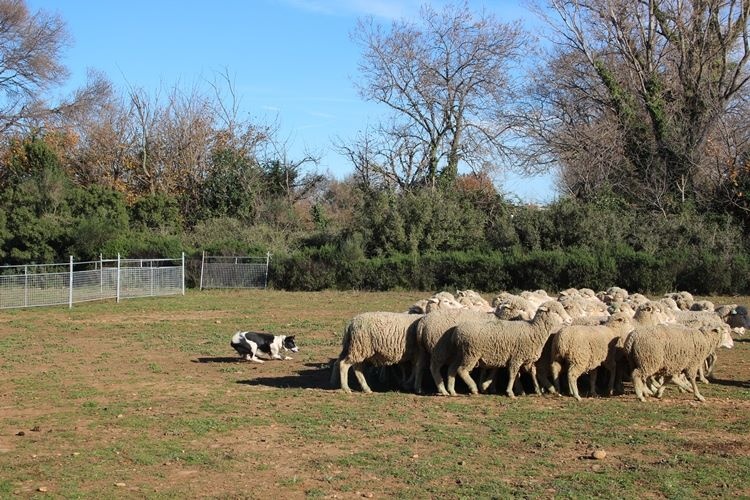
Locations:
(148, 393)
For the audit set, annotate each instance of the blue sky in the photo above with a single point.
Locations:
(290, 60)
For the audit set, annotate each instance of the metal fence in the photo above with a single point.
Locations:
(234, 271)
(58, 284)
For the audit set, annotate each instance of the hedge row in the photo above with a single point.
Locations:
(697, 271)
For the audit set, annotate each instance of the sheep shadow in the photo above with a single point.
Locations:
(317, 376)
(745, 384)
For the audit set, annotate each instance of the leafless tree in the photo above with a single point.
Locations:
(655, 76)
(447, 81)
(31, 46)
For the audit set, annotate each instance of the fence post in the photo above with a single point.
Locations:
(203, 261)
(151, 277)
(183, 273)
(25, 286)
(101, 277)
(70, 288)
(118, 278)
(268, 260)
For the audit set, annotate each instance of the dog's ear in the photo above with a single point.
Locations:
(291, 337)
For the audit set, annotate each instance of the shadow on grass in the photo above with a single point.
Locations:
(745, 384)
(220, 359)
(317, 376)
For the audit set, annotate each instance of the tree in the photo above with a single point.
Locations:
(646, 82)
(447, 81)
(30, 50)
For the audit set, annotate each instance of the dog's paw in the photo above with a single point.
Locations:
(287, 357)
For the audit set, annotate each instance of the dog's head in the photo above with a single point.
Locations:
(290, 345)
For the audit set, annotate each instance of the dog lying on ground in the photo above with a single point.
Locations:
(248, 344)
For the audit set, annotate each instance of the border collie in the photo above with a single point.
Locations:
(248, 344)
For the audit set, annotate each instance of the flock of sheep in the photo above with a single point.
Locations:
(651, 342)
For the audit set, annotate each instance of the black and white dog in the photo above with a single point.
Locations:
(248, 344)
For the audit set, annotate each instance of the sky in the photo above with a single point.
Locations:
(291, 61)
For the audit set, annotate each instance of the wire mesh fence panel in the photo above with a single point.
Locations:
(58, 284)
(139, 280)
(234, 272)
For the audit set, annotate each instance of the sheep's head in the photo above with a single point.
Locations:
(738, 318)
(554, 313)
(620, 321)
(723, 332)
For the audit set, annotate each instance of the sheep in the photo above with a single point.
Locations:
(702, 305)
(587, 293)
(472, 300)
(636, 299)
(515, 307)
(669, 303)
(431, 343)
(650, 313)
(537, 297)
(499, 343)
(378, 338)
(671, 350)
(613, 294)
(683, 299)
(735, 316)
(584, 348)
(623, 307)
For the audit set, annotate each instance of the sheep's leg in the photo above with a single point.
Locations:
(438, 378)
(361, 377)
(702, 372)
(543, 377)
(451, 378)
(638, 385)
(592, 382)
(682, 382)
(334, 381)
(419, 366)
(344, 374)
(691, 374)
(710, 364)
(537, 388)
(573, 373)
(463, 372)
(556, 368)
(513, 369)
(612, 369)
(488, 378)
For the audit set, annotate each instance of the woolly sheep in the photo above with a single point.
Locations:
(499, 343)
(584, 348)
(473, 300)
(735, 316)
(537, 297)
(671, 350)
(623, 307)
(613, 294)
(431, 343)
(683, 299)
(702, 305)
(515, 307)
(378, 338)
(650, 313)
(637, 299)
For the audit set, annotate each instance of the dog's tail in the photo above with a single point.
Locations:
(345, 346)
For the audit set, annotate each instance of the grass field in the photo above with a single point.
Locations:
(146, 399)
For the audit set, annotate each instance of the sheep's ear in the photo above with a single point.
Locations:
(733, 312)
(543, 308)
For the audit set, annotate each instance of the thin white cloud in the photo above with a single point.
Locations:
(388, 9)
(318, 114)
